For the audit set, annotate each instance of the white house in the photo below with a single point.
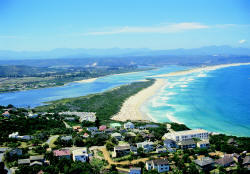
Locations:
(187, 135)
(160, 165)
(17, 136)
(80, 154)
(31, 115)
(129, 125)
(146, 145)
(14, 135)
(135, 170)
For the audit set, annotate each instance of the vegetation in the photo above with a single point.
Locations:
(27, 77)
(104, 104)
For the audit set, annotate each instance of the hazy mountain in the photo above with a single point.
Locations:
(119, 52)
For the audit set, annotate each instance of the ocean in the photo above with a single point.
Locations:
(217, 100)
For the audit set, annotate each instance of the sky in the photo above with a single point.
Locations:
(34, 25)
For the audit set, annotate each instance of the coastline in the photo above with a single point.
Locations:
(86, 80)
(130, 109)
(194, 70)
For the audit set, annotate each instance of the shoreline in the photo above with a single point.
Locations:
(131, 108)
(86, 80)
(199, 69)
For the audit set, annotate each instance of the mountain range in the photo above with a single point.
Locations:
(121, 52)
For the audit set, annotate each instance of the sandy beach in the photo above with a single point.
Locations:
(86, 80)
(194, 70)
(131, 107)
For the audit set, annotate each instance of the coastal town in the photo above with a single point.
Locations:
(76, 142)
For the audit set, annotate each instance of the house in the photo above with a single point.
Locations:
(187, 144)
(133, 149)
(102, 128)
(147, 136)
(186, 135)
(121, 150)
(161, 150)
(134, 170)
(109, 130)
(17, 152)
(36, 163)
(6, 114)
(205, 163)
(115, 125)
(31, 115)
(63, 153)
(14, 135)
(75, 128)
(246, 162)
(160, 165)
(80, 154)
(69, 118)
(129, 125)
(39, 158)
(23, 162)
(168, 143)
(203, 144)
(146, 145)
(92, 129)
(66, 138)
(117, 136)
(85, 135)
(130, 134)
(225, 161)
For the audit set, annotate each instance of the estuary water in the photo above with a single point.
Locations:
(217, 100)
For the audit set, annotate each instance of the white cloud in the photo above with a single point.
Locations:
(242, 41)
(170, 28)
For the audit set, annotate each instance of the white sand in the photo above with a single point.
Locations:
(86, 80)
(207, 68)
(131, 107)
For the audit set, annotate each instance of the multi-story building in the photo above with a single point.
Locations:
(187, 135)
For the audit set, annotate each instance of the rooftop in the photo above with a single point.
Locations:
(204, 161)
(158, 161)
(80, 151)
(63, 152)
(122, 147)
(225, 160)
(188, 132)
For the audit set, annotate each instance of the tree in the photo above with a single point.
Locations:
(110, 146)
(2, 169)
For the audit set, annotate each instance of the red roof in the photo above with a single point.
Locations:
(61, 152)
(102, 127)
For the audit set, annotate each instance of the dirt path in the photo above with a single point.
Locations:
(110, 161)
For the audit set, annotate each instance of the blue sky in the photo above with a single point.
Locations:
(156, 24)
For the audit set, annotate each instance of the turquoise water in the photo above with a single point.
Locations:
(217, 101)
(32, 98)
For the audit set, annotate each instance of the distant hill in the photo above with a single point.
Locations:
(119, 52)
